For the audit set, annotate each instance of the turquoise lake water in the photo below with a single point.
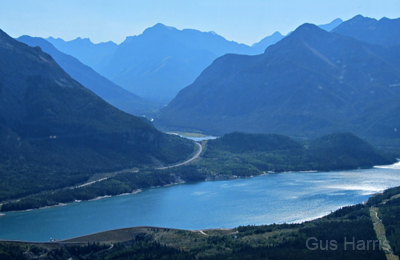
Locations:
(267, 199)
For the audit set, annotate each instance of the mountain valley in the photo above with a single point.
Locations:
(309, 84)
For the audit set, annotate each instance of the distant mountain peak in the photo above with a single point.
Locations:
(383, 32)
(159, 25)
(267, 41)
(288, 88)
(384, 19)
(307, 30)
(362, 19)
(359, 16)
(52, 38)
(332, 25)
(337, 20)
(307, 26)
(277, 34)
(86, 40)
(159, 28)
(162, 60)
(109, 42)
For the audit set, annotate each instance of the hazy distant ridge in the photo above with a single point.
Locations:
(110, 92)
(384, 31)
(93, 55)
(163, 60)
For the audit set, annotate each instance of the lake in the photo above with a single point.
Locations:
(200, 138)
(267, 199)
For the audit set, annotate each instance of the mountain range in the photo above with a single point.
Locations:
(162, 60)
(310, 83)
(55, 132)
(267, 41)
(384, 31)
(85, 75)
(93, 55)
(277, 36)
(332, 25)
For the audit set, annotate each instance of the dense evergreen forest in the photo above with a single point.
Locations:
(56, 133)
(51, 166)
(388, 204)
(277, 153)
(125, 182)
(231, 156)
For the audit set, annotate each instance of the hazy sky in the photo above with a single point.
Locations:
(245, 21)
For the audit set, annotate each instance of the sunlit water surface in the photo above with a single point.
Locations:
(273, 198)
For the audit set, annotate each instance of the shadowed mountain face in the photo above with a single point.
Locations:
(384, 32)
(267, 41)
(163, 60)
(310, 83)
(101, 86)
(48, 118)
(277, 36)
(93, 55)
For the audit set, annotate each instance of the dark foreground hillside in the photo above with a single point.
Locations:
(54, 132)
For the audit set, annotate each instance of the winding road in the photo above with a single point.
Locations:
(159, 168)
(185, 162)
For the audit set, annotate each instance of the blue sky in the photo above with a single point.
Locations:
(242, 21)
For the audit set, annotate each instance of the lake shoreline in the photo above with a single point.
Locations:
(218, 177)
(82, 239)
(274, 198)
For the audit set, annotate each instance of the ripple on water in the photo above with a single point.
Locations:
(265, 199)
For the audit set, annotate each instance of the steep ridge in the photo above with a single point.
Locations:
(277, 36)
(54, 132)
(89, 53)
(310, 83)
(332, 25)
(267, 41)
(383, 32)
(163, 60)
(101, 86)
